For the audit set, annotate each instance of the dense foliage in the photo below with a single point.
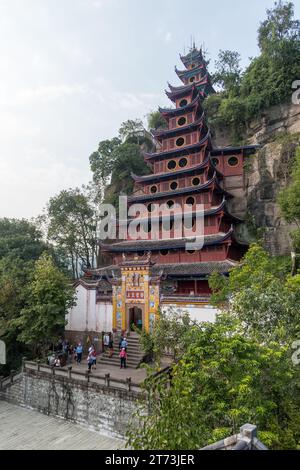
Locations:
(266, 81)
(71, 224)
(21, 247)
(49, 295)
(236, 370)
(289, 202)
(115, 160)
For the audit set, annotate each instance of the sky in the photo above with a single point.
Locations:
(71, 71)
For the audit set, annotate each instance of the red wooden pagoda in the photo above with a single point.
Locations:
(186, 170)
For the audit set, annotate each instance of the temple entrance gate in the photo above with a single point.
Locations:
(135, 317)
(135, 295)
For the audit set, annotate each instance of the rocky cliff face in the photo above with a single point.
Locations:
(267, 172)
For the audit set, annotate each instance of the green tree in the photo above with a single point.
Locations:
(258, 293)
(228, 71)
(72, 225)
(20, 239)
(156, 121)
(102, 162)
(49, 296)
(289, 202)
(279, 26)
(128, 159)
(131, 128)
(224, 379)
(21, 244)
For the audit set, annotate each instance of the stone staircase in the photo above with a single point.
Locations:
(134, 352)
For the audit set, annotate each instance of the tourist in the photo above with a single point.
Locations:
(94, 357)
(79, 351)
(106, 341)
(90, 362)
(51, 360)
(69, 354)
(123, 356)
(111, 346)
(120, 342)
(124, 344)
(57, 362)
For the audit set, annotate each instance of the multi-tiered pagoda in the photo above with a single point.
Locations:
(187, 171)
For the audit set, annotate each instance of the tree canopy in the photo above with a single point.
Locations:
(268, 78)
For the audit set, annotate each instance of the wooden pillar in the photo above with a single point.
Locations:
(114, 307)
(146, 305)
(123, 309)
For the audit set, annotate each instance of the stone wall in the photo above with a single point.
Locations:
(106, 410)
(267, 172)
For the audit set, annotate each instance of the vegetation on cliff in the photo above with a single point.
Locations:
(268, 78)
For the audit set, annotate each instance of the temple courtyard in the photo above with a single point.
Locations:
(25, 429)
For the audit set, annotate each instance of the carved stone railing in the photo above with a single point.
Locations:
(246, 439)
(105, 381)
(13, 377)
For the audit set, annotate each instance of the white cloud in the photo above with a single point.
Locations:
(48, 93)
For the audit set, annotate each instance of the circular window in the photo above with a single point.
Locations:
(174, 185)
(193, 66)
(151, 207)
(190, 252)
(192, 79)
(232, 161)
(153, 189)
(170, 204)
(195, 181)
(171, 165)
(182, 162)
(180, 142)
(141, 253)
(183, 103)
(190, 201)
(215, 161)
(181, 121)
(164, 252)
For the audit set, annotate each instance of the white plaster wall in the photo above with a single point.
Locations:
(104, 316)
(77, 317)
(87, 315)
(203, 313)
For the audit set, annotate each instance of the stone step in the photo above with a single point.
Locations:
(117, 364)
(134, 360)
(109, 362)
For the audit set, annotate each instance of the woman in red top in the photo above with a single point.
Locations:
(123, 357)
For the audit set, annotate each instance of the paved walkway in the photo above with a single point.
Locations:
(24, 429)
(137, 375)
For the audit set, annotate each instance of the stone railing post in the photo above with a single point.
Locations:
(23, 363)
(12, 373)
(128, 381)
(87, 374)
(107, 379)
(69, 371)
(38, 365)
(248, 432)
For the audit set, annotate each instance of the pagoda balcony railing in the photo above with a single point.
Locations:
(185, 297)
